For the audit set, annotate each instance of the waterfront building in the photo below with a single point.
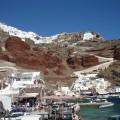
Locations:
(22, 85)
(117, 89)
(87, 82)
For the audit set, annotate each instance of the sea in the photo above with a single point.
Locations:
(94, 113)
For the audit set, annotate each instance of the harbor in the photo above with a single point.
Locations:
(59, 60)
(93, 113)
(26, 96)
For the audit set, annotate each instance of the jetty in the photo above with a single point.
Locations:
(94, 103)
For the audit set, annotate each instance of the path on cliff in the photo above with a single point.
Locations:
(4, 65)
(105, 62)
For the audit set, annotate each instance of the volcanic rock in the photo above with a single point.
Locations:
(89, 60)
(25, 57)
(74, 61)
(3, 56)
(14, 44)
(116, 53)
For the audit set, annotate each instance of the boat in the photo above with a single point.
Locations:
(114, 117)
(114, 99)
(30, 116)
(106, 105)
(61, 111)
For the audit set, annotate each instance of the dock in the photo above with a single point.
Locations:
(94, 103)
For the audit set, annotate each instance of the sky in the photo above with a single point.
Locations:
(49, 17)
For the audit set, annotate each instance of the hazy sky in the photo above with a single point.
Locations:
(48, 17)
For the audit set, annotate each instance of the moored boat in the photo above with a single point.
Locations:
(115, 117)
(114, 99)
(106, 105)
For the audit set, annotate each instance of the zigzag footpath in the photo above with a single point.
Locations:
(105, 62)
(4, 66)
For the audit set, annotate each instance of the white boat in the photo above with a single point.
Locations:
(106, 105)
(30, 116)
(114, 117)
(27, 117)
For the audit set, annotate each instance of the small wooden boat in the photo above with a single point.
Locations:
(106, 105)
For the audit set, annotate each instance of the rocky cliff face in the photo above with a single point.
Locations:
(24, 56)
(47, 59)
(14, 44)
(4, 56)
(116, 54)
(62, 55)
(76, 61)
(89, 60)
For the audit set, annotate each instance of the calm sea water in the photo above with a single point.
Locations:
(94, 113)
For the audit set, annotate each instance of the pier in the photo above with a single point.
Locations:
(94, 104)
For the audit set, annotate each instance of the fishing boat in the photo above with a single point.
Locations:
(61, 110)
(28, 116)
(106, 105)
(115, 117)
(115, 99)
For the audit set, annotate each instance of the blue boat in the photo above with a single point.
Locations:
(114, 99)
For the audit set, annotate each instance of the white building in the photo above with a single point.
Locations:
(88, 36)
(65, 90)
(19, 80)
(24, 79)
(87, 82)
(58, 93)
(117, 89)
(6, 100)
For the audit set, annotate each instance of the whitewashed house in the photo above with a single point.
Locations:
(88, 36)
(58, 93)
(87, 82)
(24, 79)
(117, 89)
(65, 90)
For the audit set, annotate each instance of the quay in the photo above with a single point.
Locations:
(94, 104)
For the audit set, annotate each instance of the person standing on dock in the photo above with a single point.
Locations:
(73, 109)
